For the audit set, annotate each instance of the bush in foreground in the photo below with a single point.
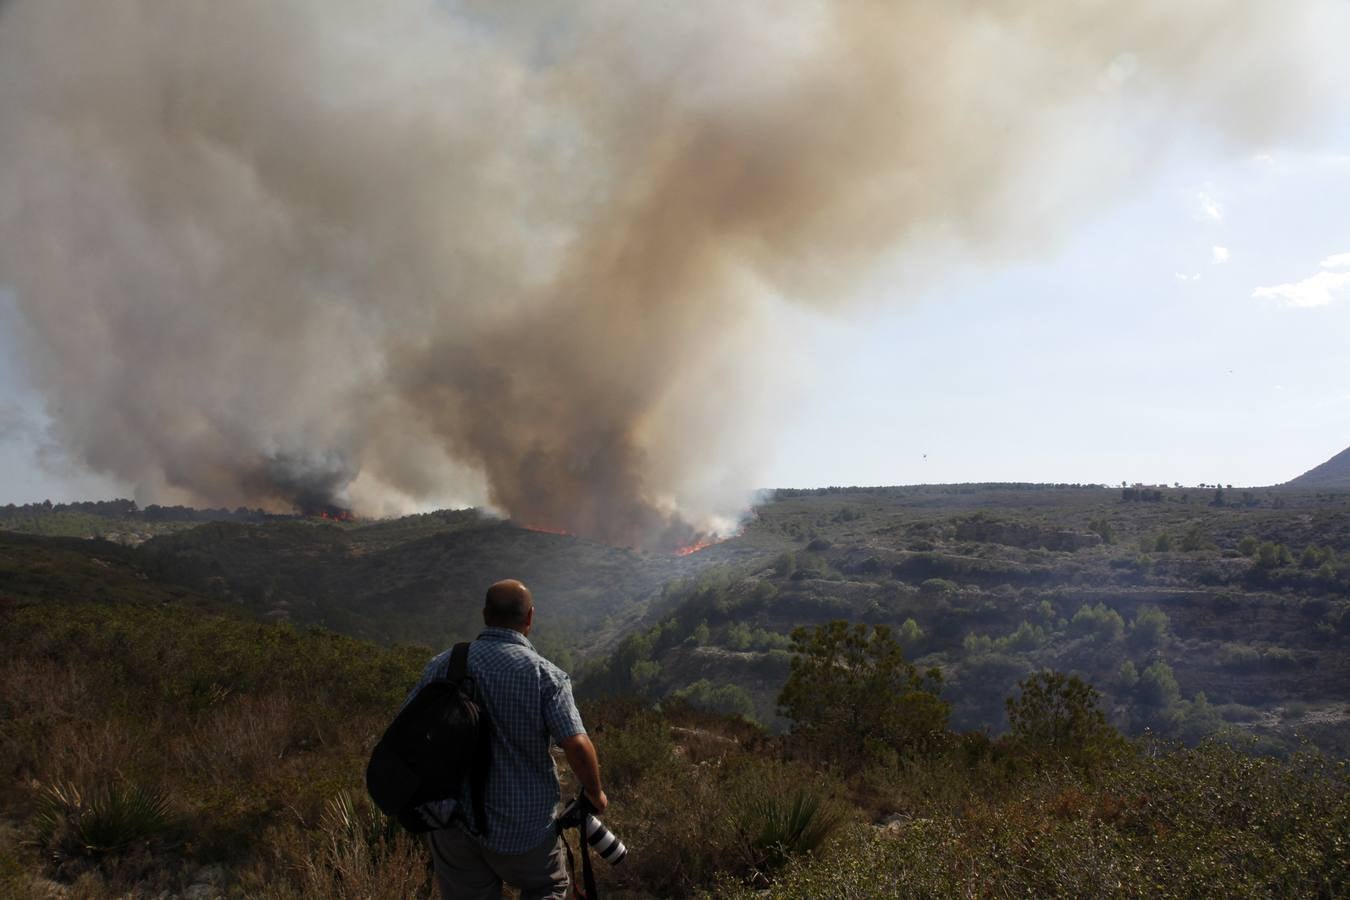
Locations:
(1202, 822)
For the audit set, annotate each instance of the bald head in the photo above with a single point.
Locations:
(508, 605)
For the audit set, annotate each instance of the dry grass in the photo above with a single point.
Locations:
(263, 771)
(243, 738)
(354, 852)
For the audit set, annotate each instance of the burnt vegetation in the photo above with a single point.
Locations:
(985, 689)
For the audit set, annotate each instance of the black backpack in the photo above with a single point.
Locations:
(437, 741)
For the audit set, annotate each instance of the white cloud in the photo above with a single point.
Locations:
(1319, 289)
(1220, 254)
(1182, 276)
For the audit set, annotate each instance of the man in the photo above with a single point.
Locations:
(529, 702)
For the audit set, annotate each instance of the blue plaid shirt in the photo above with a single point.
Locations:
(529, 700)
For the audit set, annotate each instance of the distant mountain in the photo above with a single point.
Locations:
(1333, 474)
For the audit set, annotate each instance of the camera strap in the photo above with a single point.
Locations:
(588, 876)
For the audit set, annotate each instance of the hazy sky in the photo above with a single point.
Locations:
(1195, 331)
(1198, 333)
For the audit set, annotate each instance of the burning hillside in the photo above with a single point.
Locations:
(330, 513)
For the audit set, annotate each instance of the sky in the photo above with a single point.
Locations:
(1194, 332)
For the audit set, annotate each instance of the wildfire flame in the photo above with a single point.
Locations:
(333, 514)
(702, 543)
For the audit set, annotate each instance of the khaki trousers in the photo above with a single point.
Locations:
(465, 870)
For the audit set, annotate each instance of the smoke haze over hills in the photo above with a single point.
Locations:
(337, 253)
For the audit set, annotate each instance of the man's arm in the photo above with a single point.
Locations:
(586, 765)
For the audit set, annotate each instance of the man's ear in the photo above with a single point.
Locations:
(529, 619)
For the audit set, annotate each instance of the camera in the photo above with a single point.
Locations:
(580, 814)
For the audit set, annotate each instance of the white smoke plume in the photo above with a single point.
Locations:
(339, 252)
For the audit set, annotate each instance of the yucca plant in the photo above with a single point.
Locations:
(356, 820)
(777, 827)
(74, 822)
(359, 844)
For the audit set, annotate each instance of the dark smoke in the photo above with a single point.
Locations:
(330, 253)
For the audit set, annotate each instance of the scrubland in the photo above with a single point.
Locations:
(164, 736)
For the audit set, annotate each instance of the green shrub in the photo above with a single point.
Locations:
(1209, 821)
(1097, 621)
(1150, 627)
(740, 636)
(850, 690)
(777, 827)
(937, 586)
(636, 750)
(724, 699)
(1270, 555)
(1127, 676)
(975, 644)
(1238, 656)
(1237, 712)
(1247, 657)
(72, 821)
(1060, 716)
(1194, 539)
(1158, 686)
(642, 674)
(1312, 557)
(1027, 637)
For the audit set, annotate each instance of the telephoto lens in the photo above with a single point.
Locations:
(603, 841)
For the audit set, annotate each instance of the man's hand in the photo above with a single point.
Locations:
(599, 803)
(586, 765)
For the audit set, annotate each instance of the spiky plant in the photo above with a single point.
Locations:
(778, 826)
(70, 821)
(350, 820)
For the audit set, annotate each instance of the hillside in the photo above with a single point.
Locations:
(159, 744)
(414, 579)
(393, 582)
(1194, 612)
(1332, 475)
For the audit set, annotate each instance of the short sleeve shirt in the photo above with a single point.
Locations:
(529, 701)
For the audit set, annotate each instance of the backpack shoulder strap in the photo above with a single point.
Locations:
(459, 662)
(456, 673)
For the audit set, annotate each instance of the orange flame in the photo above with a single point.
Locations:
(702, 543)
